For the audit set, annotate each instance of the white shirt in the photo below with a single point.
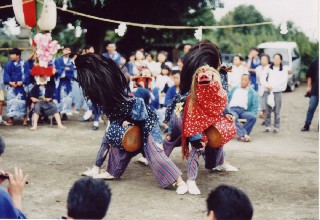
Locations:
(276, 79)
(240, 98)
(234, 77)
(261, 71)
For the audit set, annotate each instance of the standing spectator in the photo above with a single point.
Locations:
(11, 200)
(1, 96)
(234, 77)
(88, 199)
(130, 64)
(261, 71)
(162, 60)
(312, 92)
(175, 89)
(138, 62)
(276, 82)
(252, 63)
(228, 203)
(186, 49)
(112, 52)
(151, 64)
(14, 79)
(64, 76)
(243, 103)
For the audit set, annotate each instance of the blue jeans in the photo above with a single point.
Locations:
(313, 104)
(239, 112)
(96, 112)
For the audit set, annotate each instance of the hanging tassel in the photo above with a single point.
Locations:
(121, 29)
(198, 34)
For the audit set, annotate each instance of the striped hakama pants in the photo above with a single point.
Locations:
(165, 171)
(215, 157)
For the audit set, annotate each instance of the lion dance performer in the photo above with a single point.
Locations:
(105, 85)
(200, 105)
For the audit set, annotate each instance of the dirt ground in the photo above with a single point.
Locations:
(279, 172)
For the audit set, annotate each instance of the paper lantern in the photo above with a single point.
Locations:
(25, 12)
(48, 17)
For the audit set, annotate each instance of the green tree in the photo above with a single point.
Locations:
(240, 40)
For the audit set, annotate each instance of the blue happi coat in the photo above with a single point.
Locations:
(16, 97)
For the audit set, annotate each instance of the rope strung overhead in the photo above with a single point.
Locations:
(155, 26)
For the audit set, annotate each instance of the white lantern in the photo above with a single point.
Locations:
(18, 12)
(48, 17)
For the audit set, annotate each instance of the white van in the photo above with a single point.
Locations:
(291, 57)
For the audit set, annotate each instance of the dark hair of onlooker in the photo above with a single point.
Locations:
(88, 199)
(228, 202)
(15, 51)
(203, 53)
(87, 47)
(239, 56)
(149, 54)
(167, 68)
(256, 49)
(281, 66)
(2, 146)
(265, 55)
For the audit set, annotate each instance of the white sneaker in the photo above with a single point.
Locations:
(69, 113)
(104, 175)
(192, 188)
(182, 188)
(276, 130)
(92, 172)
(87, 115)
(226, 168)
(268, 129)
(143, 161)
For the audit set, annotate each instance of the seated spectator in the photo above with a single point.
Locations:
(10, 201)
(234, 77)
(174, 90)
(228, 203)
(41, 96)
(88, 199)
(1, 96)
(243, 103)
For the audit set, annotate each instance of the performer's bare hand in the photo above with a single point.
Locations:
(20, 83)
(125, 123)
(230, 117)
(16, 186)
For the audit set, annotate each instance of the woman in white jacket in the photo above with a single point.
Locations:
(262, 71)
(275, 81)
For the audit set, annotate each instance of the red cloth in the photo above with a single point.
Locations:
(29, 11)
(42, 71)
(211, 101)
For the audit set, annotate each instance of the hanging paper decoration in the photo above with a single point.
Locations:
(46, 48)
(198, 34)
(64, 6)
(283, 28)
(78, 31)
(48, 17)
(25, 12)
(121, 29)
(10, 27)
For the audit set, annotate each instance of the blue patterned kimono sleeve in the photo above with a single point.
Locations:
(139, 110)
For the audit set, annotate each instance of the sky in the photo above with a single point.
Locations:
(304, 13)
